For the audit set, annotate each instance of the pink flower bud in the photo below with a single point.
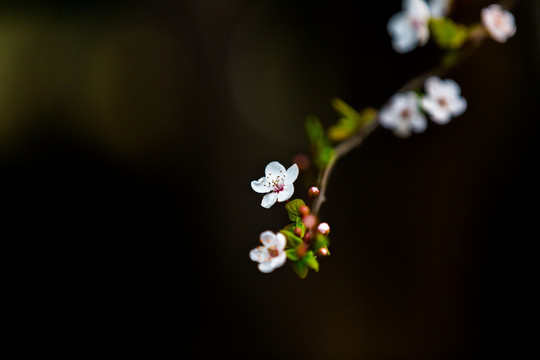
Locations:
(324, 228)
(313, 192)
(309, 221)
(304, 210)
(297, 231)
(322, 251)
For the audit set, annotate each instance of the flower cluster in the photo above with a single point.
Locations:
(411, 27)
(304, 239)
(404, 112)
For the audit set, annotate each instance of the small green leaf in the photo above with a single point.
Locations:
(301, 268)
(448, 34)
(311, 261)
(351, 122)
(320, 145)
(292, 254)
(293, 208)
(292, 239)
(320, 242)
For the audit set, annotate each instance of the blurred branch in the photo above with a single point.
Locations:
(477, 36)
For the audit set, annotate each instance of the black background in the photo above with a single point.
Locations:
(129, 134)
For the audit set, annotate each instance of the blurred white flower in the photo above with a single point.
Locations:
(324, 228)
(278, 183)
(271, 254)
(439, 8)
(443, 100)
(401, 115)
(499, 23)
(409, 28)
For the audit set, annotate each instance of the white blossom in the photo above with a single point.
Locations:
(402, 116)
(499, 23)
(409, 28)
(277, 183)
(271, 254)
(439, 8)
(443, 100)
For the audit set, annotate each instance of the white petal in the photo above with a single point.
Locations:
(291, 174)
(259, 254)
(268, 238)
(278, 260)
(458, 106)
(432, 85)
(261, 186)
(266, 267)
(273, 170)
(387, 117)
(269, 200)
(281, 241)
(286, 193)
(419, 123)
(404, 37)
(417, 8)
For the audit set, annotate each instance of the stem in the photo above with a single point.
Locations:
(475, 40)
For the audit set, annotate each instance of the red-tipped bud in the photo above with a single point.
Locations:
(324, 228)
(304, 210)
(323, 251)
(313, 192)
(298, 231)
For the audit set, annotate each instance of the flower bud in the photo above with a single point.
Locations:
(302, 160)
(309, 221)
(298, 231)
(324, 228)
(313, 192)
(322, 251)
(304, 210)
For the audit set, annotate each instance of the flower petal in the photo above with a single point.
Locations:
(268, 238)
(281, 241)
(291, 174)
(286, 193)
(269, 200)
(278, 260)
(261, 186)
(419, 123)
(458, 106)
(273, 170)
(259, 254)
(266, 267)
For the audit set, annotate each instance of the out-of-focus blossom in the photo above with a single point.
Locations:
(439, 8)
(409, 28)
(270, 255)
(324, 228)
(278, 183)
(499, 23)
(443, 100)
(401, 115)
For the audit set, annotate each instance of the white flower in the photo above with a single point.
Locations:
(271, 254)
(499, 23)
(439, 8)
(409, 28)
(402, 116)
(278, 183)
(443, 100)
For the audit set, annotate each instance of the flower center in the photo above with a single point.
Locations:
(406, 114)
(442, 102)
(273, 252)
(278, 184)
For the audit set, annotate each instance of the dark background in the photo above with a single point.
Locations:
(129, 134)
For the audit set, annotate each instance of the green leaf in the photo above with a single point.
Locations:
(320, 242)
(351, 122)
(292, 239)
(320, 145)
(293, 208)
(448, 34)
(300, 268)
(292, 254)
(311, 261)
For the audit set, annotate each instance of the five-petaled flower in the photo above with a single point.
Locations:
(277, 184)
(271, 254)
(409, 28)
(402, 116)
(443, 100)
(499, 23)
